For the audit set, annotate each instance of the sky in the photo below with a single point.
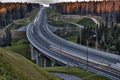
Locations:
(41, 1)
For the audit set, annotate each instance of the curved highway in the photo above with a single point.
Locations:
(69, 53)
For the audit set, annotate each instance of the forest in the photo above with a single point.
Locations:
(108, 33)
(10, 12)
(103, 8)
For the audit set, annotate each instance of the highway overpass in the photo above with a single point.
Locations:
(48, 49)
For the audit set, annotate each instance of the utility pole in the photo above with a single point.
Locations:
(87, 48)
(96, 36)
(87, 55)
(80, 36)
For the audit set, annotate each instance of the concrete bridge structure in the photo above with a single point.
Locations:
(47, 49)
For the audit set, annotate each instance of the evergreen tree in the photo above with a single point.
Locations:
(8, 37)
(29, 7)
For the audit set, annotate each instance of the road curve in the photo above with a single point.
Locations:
(70, 53)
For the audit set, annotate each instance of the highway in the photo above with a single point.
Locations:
(68, 53)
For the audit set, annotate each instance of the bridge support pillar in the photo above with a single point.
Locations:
(47, 62)
(39, 59)
(33, 53)
(42, 60)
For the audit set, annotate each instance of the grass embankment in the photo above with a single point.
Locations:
(20, 67)
(15, 67)
(22, 49)
(87, 22)
(77, 72)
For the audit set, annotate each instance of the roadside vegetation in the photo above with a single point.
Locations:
(14, 63)
(22, 69)
(16, 24)
(108, 35)
(21, 46)
(16, 67)
(5, 69)
(108, 39)
(22, 49)
(87, 22)
(14, 19)
(76, 71)
(68, 31)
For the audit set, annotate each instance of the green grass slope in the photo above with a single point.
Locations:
(87, 22)
(16, 67)
(22, 49)
(84, 75)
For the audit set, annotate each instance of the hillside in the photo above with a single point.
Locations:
(87, 22)
(15, 67)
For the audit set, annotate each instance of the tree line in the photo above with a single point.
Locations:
(105, 8)
(108, 38)
(13, 11)
(108, 33)
(10, 12)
